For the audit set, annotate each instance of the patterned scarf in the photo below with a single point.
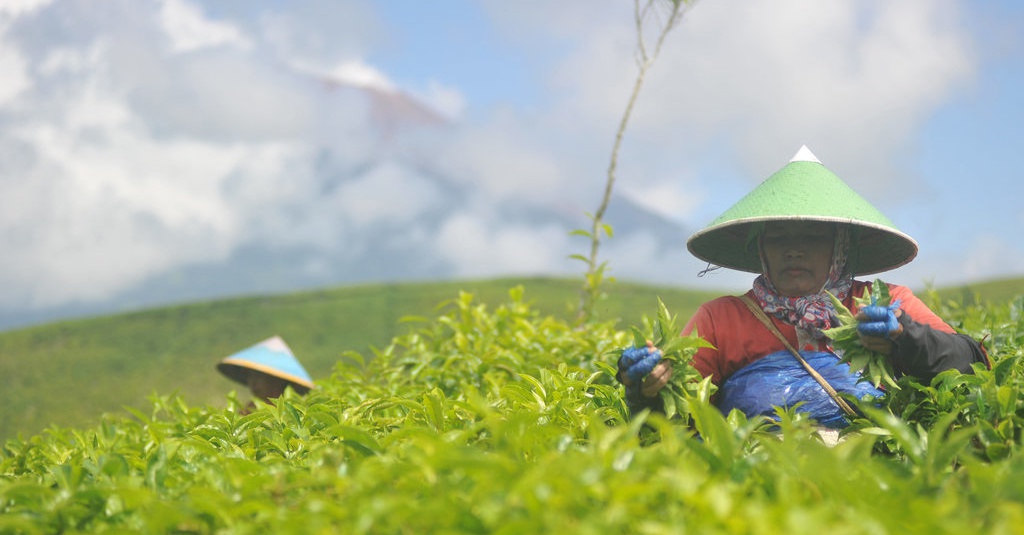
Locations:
(812, 313)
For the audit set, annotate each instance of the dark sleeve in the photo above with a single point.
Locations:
(924, 352)
(638, 402)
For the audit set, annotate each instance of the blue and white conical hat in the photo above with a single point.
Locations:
(272, 357)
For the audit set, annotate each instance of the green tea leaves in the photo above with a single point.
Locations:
(501, 420)
(872, 365)
(664, 333)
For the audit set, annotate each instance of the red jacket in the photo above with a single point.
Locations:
(740, 338)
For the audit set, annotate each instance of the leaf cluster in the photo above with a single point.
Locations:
(872, 365)
(686, 384)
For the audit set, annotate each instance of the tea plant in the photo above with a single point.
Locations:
(663, 333)
(505, 421)
(875, 366)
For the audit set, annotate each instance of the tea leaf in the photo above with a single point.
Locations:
(873, 366)
(665, 333)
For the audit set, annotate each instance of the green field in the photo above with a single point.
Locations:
(495, 418)
(69, 373)
(992, 291)
(72, 372)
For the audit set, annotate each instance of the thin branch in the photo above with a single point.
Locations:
(590, 289)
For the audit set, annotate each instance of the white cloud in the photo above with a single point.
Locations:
(189, 30)
(387, 194)
(507, 158)
(323, 33)
(80, 61)
(14, 79)
(668, 198)
(853, 79)
(477, 247)
(361, 74)
(449, 101)
(15, 8)
(218, 96)
(107, 221)
(750, 81)
(122, 161)
(108, 204)
(129, 163)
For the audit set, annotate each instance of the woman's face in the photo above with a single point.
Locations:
(798, 254)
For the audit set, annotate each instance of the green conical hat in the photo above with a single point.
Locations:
(803, 190)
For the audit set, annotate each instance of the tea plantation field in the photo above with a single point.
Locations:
(69, 373)
(496, 414)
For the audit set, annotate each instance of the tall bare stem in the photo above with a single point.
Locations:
(594, 278)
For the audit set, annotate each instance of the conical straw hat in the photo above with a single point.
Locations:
(272, 357)
(803, 190)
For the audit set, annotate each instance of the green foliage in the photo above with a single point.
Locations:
(989, 402)
(663, 332)
(70, 373)
(505, 420)
(875, 366)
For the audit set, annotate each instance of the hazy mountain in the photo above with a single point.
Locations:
(326, 243)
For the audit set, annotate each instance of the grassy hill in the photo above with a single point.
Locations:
(69, 373)
(992, 291)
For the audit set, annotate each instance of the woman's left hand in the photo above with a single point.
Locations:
(879, 327)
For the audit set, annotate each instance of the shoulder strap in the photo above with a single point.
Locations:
(760, 315)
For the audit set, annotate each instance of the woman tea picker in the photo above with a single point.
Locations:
(805, 233)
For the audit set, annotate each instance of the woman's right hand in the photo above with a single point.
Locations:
(644, 364)
(657, 379)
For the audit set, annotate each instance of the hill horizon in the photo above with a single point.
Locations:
(72, 371)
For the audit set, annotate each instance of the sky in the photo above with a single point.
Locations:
(139, 138)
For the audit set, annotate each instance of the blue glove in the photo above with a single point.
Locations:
(637, 362)
(878, 321)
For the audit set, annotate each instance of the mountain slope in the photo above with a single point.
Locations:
(331, 211)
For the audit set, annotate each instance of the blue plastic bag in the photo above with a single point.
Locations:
(780, 380)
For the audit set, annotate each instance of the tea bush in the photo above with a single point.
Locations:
(507, 421)
(127, 357)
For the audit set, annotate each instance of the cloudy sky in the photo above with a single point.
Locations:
(139, 138)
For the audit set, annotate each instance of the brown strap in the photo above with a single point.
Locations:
(759, 314)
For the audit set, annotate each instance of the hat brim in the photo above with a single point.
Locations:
(238, 371)
(873, 248)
